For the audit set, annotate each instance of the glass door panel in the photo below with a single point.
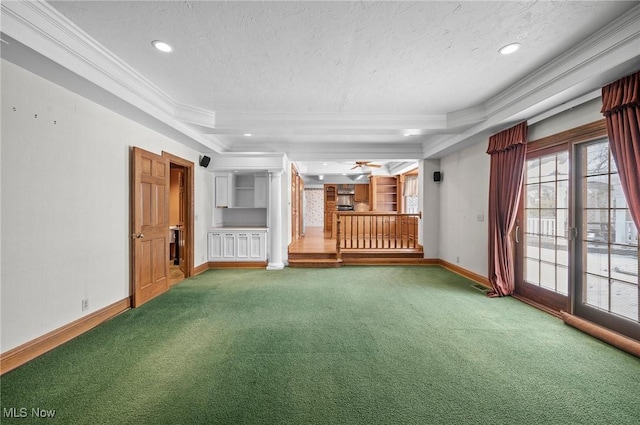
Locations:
(542, 254)
(606, 278)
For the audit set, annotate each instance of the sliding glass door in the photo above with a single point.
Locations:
(542, 236)
(606, 260)
(576, 245)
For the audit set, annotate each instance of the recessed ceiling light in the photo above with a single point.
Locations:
(248, 134)
(162, 46)
(324, 163)
(509, 48)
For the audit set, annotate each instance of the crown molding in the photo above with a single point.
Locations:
(40, 27)
(606, 55)
(466, 117)
(194, 115)
(614, 44)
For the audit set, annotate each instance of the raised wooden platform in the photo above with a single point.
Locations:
(318, 249)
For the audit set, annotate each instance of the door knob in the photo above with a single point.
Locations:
(137, 236)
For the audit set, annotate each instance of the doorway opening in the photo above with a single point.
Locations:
(180, 218)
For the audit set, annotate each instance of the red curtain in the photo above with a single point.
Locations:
(508, 150)
(621, 108)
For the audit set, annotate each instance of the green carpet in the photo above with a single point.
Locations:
(353, 345)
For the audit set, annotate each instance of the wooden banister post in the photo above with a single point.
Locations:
(338, 236)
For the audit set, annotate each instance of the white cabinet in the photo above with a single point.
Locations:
(257, 246)
(260, 191)
(237, 244)
(214, 246)
(229, 246)
(248, 190)
(224, 192)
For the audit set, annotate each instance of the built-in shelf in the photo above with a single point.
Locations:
(241, 199)
(384, 193)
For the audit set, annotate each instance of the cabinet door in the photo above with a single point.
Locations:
(242, 246)
(215, 246)
(229, 246)
(261, 191)
(361, 193)
(223, 199)
(257, 246)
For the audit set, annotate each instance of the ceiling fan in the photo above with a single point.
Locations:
(365, 164)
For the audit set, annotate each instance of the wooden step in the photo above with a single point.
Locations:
(315, 263)
(384, 261)
(313, 255)
(381, 253)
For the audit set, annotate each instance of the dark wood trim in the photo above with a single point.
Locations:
(413, 172)
(465, 273)
(619, 341)
(554, 301)
(47, 342)
(583, 133)
(537, 305)
(190, 213)
(431, 262)
(237, 264)
(200, 269)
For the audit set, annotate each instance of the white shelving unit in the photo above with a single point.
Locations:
(240, 218)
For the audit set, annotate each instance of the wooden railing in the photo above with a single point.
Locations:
(376, 230)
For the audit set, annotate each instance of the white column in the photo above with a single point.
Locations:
(275, 221)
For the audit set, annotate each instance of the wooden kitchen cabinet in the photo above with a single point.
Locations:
(361, 193)
(330, 205)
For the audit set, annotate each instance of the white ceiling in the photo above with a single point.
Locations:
(336, 81)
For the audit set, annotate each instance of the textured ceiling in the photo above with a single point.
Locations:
(299, 74)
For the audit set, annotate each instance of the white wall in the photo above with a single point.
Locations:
(465, 190)
(65, 204)
(464, 193)
(429, 194)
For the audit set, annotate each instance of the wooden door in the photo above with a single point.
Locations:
(150, 225)
(295, 205)
(182, 206)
